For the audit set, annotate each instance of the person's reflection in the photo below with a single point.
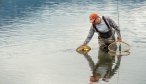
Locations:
(103, 69)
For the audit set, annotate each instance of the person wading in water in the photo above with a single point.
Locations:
(105, 27)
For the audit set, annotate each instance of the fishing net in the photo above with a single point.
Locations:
(119, 48)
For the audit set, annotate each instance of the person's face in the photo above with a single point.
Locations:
(97, 20)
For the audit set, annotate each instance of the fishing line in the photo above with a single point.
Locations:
(120, 44)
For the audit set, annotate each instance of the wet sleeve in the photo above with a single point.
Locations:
(114, 25)
(90, 35)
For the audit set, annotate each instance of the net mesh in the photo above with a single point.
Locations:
(119, 47)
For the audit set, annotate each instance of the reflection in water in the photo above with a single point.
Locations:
(106, 66)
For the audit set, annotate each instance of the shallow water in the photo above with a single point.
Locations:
(38, 39)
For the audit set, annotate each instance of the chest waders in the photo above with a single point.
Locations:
(106, 34)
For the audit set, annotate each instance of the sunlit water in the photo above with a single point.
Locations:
(38, 39)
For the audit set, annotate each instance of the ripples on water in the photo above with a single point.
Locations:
(38, 39)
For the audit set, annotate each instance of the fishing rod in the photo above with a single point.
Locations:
(118, 12)
(120, 44)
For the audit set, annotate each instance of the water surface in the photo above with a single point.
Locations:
(38, 39)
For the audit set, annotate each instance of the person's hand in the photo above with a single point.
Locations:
(119, 39)
(84, 44)
(83, 49)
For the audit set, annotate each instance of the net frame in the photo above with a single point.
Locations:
(121, 42)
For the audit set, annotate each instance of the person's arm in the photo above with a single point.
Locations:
(115, 26)
(90, 35)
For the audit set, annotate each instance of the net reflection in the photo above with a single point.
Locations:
(105, 68)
